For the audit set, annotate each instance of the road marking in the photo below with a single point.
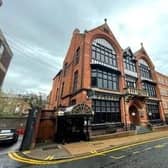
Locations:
(159, 146)
(51, 157)
(132, 145)
(136, 152)
(93, 151)
(117, 157)
(149, 148)
(17, 157)
(47, 158)
(26, 152)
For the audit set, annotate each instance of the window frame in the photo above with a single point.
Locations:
(75, 81)
(104, 54)
(77, 56)
(150, 89)
(104, 79)
(145, 71)
(154, 110)
(106, 111)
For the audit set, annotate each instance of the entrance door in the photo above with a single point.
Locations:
(46, 130)
(134, 116)
(70, 129)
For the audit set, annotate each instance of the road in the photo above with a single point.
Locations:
(148, 155)
(7, 148)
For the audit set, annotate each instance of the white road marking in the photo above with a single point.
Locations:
(136, 152)
(146, 149)
(117, 157)
(159, 146)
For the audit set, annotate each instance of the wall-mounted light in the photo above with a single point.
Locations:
(133, 113)
(150, 114)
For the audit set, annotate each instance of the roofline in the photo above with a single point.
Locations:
(4, 41)
(59, 72)
(162, 74)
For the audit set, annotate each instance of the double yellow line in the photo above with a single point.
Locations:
(49, 160)
(50, 157)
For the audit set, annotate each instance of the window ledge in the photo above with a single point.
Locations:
(130, 73)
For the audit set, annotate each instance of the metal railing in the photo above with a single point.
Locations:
(135, 91)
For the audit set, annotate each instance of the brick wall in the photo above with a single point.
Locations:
(163, 89)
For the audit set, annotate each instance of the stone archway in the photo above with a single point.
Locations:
(134, 115)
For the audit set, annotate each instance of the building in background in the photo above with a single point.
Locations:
(5, 57)
(163, 87)
(119, 85)
(0, 2)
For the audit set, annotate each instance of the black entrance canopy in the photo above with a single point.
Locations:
(76, 110)
(73, 123)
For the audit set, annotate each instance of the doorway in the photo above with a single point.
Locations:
(70, 129)
(134, 116)
(46, 130)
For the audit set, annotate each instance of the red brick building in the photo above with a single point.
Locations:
(5, 57)
(163, 87)
(119, 85)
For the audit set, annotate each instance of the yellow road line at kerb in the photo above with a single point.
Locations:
(135, 144)
(34, 161)
(26, 152)
(19, 158)
(50, 157)
(47, 158)
(93, 151)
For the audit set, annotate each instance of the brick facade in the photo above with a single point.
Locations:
(5, 57)
(163, 88)
(136, 104)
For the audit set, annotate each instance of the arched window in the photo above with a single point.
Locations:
(146, 74)
(103, 51)
(129, 61)
(144, 69)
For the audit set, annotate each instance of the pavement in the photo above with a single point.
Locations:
(55, 153)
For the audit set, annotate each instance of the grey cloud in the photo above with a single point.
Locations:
(39, 33)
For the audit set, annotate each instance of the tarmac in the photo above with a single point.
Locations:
(54, 152)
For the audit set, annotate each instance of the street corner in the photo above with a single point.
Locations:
(26, 157)
(23, 158)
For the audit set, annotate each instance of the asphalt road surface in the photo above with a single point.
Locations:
(13, 147)
(148, 155)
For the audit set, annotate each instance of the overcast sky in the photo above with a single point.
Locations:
(39, 33)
